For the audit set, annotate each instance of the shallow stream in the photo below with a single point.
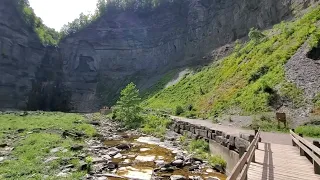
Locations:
(146, 154)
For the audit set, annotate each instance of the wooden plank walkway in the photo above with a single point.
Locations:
(280, 162)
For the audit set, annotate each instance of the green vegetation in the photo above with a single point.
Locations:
(200, 148)
(47, 36)
(316, 102)
(248, 78)
(179, 110)
(292, 93)
(161, 84)
(255, 35)
(35, 134)
(309, 130)
(128, 107)
(155, 124)
(268, 124)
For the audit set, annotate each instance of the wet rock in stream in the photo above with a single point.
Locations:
(131, 155)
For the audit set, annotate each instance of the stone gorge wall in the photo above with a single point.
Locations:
(31, 75)
(129, 46)
(20, 55)
(125, 46)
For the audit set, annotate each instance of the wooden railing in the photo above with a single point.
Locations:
(247, 156)
(312, 151)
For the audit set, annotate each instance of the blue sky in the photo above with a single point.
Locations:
(56, 13)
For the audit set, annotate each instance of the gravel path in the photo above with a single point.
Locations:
(268, 137)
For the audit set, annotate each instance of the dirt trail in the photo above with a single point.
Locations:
(268, 137)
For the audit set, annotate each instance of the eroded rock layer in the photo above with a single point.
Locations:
(124, 46)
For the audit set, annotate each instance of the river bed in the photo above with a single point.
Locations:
(149, 158)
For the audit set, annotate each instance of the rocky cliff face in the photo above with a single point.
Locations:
(124, 46)
(104, 57)
(20, 54)
(29, 72)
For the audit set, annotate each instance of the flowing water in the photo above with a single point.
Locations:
(139, 161)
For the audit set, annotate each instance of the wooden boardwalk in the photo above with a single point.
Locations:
(280, 162)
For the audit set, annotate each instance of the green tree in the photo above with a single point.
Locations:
(128, 106)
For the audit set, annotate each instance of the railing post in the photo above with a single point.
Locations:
(316, 166)
(302, 153)
(293, 143)
(316, 143)
(255, 133)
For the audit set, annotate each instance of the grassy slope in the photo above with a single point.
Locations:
(27, 159)
(226, 83)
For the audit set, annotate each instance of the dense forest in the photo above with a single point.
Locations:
(49, 36)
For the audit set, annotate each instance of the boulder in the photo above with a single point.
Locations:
(177, 163)
(95, 123)
(241, 142)
(3, 145)
(194, 167)
(123, 146)
(177, 177)
(76, 147)
(195, 178)
(112, 166)
(212, 178)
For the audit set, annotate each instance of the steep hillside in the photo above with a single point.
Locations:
(90, 67)
(140, 46)
(252, 79)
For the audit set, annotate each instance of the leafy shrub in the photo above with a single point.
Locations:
(201, 149)
(179, 110)
(267, 124)
(309, 130)
(128, 108)
(256, 35)
(260, 72)
(155, 125)
(199, 145)
(217, 160)
(292, 93)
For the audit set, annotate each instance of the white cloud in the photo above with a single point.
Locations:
(56, 13)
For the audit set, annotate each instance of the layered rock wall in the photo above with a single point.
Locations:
(123, 46)
(126, 46)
